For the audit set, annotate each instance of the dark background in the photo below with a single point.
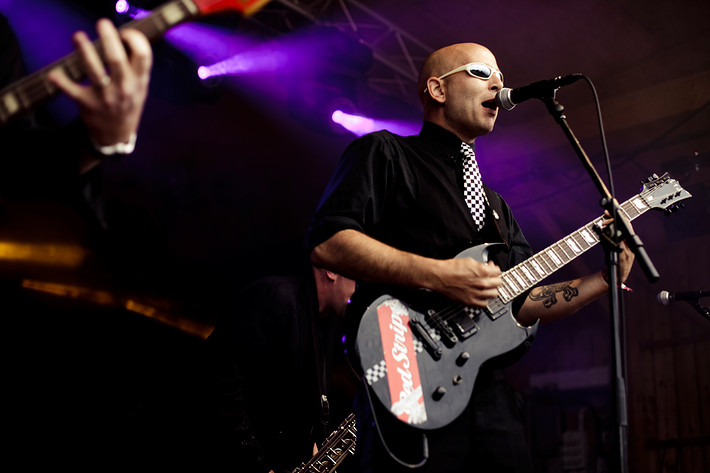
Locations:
(227, 173)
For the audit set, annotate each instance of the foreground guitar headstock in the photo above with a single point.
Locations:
(245, 7)
(663, 193)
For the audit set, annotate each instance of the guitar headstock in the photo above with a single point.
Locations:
(663, 193)
(245, 7)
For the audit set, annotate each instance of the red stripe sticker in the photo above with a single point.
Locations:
(401, 361)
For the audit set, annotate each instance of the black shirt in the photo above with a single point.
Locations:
(407, 192)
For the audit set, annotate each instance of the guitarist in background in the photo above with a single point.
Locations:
(273, 357)
(393, 217)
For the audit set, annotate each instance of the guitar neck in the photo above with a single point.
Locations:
(340, 443)
(530, 272)
(22, 96)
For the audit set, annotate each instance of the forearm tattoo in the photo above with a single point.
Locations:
(548, 294)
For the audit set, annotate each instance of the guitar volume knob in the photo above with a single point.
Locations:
(463, 358)
(439, 393)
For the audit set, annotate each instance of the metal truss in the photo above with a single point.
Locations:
(397, 54)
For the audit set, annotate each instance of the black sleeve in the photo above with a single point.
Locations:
(258, 350)
(35, 163)
(356, 195)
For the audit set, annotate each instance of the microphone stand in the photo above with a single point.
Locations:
(619, 230)
(704, 311)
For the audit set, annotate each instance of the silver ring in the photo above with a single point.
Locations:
(105, 80)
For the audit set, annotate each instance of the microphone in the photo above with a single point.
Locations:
(665, 297)
(507, 98)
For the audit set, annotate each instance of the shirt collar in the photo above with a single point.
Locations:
(443, 137)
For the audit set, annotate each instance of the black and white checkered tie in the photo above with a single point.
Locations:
(473, 186)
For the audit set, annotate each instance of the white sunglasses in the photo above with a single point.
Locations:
(477, 70)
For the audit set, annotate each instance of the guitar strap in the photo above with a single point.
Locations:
(323, 360)
(496, 211)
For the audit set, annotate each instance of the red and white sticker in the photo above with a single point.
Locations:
(400, 358)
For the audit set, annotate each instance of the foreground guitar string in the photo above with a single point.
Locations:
(339, 444)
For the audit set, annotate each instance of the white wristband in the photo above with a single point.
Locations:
(118, 148)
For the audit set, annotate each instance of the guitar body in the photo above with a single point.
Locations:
(421, 358)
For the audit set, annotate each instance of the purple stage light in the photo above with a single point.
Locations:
(356, 124)
(259, 60)
(298, 55)
(125, 8)
(203, 72)
(122, 6)
(359, 125)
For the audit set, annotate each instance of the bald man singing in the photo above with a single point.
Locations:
(394, 216)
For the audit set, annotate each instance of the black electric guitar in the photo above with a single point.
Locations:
(339, 444)
(25, 94)
(421, 357)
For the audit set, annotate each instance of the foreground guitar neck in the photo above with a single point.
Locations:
(340, 444)
(527, 274)
(22, 96)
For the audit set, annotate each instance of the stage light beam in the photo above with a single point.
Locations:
(359, 125)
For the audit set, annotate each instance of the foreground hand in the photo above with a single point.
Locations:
(112, 102)
(626, 256)
(626, 261)
(469, 281)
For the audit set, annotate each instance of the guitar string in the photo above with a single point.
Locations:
(453, 310)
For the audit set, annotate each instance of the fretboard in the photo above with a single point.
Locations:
(530, 272)
(25, 94)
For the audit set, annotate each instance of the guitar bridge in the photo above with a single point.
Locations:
(442, 326)
(420, 330)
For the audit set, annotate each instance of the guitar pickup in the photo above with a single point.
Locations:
(432, 346)
(465, 326)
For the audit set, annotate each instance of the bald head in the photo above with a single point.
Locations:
(447, 58)
(460, 102)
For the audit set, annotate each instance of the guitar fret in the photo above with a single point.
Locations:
(518, 278)
(572, 244)
(621, 209)
(553, 256)
(511, 284)
(505, 285)
(582, 241)
(528, 274)
(503, 292)
(588, 237)
(541, 272)
(544, 264)
(565, 256)
(549, 261)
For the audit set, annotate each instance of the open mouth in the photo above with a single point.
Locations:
(490, 104)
